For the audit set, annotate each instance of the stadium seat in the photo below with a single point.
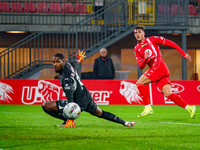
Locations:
(42, 7)
(90, 9)
(67, 8)
(4, 7)
(197, 10)
(54, 8)
(29, 7)
(16, 7)
(1, 6)
(191, 10)
(176, 10)
(80, 8)
(162, 9)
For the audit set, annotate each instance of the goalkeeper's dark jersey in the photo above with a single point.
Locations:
(73, 87)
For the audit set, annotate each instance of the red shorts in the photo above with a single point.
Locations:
(159, 73)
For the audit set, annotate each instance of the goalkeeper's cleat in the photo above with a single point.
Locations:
(130, 124)
(191, 110)
(62, 124)
(70, 124)
(147, 111)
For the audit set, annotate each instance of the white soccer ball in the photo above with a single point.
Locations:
(72, 111)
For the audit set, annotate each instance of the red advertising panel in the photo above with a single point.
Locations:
(188, 90)
(104, 92)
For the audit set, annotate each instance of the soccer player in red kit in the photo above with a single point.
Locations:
(147, 52)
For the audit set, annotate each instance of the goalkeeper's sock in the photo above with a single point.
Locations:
(144, 93)
(55, 114)
(177, 100)
(111, 117)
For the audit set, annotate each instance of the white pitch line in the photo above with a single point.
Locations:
(181, 123)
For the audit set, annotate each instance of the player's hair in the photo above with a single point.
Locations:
(140, 27)
(61, 56)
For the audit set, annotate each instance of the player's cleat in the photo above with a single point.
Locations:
(191, 110)
(130, 124)
(62, 124)
(70, 124)
(147, 111)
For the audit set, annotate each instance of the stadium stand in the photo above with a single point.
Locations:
(29, 7)
(192, 9)
(42, 7)
(89, 9)
(80, 8)
(176, 10)
(4, 7)
(67, 8)
(16, 7)
(197, 10)
(54, 8)
(161, 9)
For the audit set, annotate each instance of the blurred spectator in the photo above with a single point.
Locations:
(103, 66)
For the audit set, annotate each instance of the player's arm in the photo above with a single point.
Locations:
(174, 45)
(163, 41)
(142, 61)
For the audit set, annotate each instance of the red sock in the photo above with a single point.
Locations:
(144, 93)
(177, 100)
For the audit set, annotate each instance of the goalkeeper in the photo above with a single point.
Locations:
(75, 92)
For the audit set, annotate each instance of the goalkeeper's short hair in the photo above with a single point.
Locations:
(61, 56)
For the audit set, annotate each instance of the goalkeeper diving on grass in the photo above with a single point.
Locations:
(75, 91)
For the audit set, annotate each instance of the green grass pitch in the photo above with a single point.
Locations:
(27, 127)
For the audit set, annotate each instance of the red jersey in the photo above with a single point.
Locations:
(151, 45)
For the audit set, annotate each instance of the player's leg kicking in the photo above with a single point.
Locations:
(145, 97)
(160, 75)
(141, 85)
(178, 100)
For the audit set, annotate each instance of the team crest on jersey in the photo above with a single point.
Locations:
(143, 45)
(148, 51)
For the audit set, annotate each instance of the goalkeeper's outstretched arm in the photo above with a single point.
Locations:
(79, 58)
